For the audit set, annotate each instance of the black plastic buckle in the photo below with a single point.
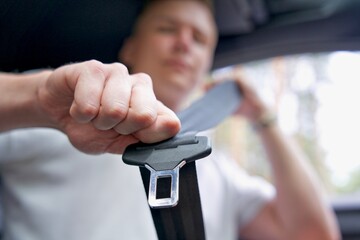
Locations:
(165, 159)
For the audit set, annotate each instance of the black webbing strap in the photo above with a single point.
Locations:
(185, 220)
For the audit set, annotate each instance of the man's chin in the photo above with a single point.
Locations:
(182, 83)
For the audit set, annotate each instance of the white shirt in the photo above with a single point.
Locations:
(51, 191)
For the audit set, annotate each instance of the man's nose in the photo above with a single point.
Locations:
(184, 40)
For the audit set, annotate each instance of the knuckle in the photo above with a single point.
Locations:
(86, 112)
(143, 78)
(94, 64)
(89, 109)
(116, 111)
(95, 67)
(120, 68)
(145, 117)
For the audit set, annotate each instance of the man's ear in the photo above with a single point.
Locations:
(126, 52)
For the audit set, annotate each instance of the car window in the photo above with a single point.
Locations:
(317, 100)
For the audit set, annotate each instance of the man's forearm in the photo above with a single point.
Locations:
(299, 201)
(18, 101)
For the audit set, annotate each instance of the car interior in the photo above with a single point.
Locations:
(300, 44)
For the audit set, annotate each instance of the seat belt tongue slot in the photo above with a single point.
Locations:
(173, 174)
(166, 162)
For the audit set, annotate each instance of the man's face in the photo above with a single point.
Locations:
(174, 44)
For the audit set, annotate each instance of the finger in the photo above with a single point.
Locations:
(88, 81)
(245, 86)
(207, 86)
(143, 106)
(119, 144)
(90, 140)
(115, 98)
(166, 125)
(253, 105)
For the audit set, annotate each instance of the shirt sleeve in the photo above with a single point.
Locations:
(4, 146)
(249, 193)
(29, 143)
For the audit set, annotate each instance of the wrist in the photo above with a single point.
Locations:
(42, 119)
(19, 103)
(266, 120)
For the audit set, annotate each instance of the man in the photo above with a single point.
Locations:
(53, 191)
(174, 42)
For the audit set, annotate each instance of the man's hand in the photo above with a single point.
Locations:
(252, 107)
(102, 108)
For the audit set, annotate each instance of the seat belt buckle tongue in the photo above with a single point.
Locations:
(164, 160)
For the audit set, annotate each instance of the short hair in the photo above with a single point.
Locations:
(148, 3)
(208, 3)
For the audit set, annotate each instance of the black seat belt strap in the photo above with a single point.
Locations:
(178, 215)
(178, 222)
